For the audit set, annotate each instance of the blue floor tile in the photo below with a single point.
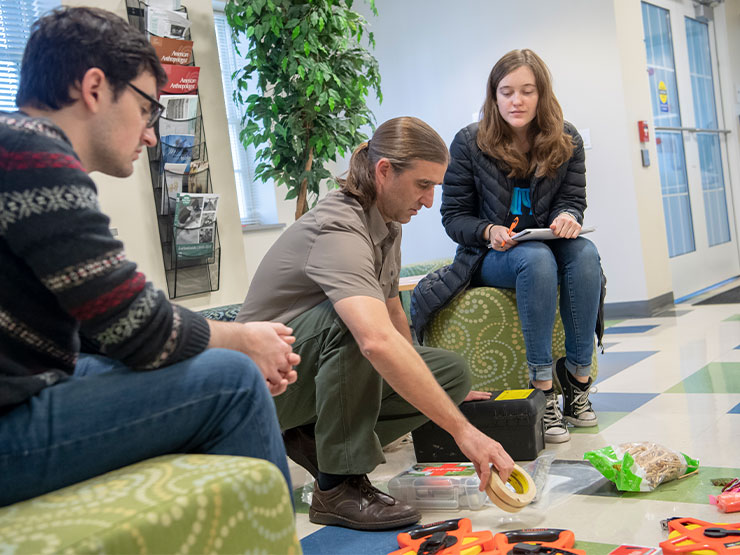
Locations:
(735, 409)
(613, 363)
(629, 329)
(619, 402)
(334, 539)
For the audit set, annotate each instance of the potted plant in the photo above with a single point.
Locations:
(312, 76)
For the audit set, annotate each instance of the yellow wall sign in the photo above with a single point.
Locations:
(663, 96)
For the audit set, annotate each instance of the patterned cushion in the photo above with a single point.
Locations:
(171, 504)
(483, 326)
(225, 313)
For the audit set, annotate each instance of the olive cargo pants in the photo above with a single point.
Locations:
(354, 410)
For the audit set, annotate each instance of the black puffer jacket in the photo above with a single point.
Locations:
(476, 193)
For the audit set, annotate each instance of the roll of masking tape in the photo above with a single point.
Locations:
(511, 499)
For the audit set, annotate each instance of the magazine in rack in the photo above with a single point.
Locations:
(180, 114)
(194, 227)
(186, 206)
(172, 51)
(181, 79)
(166, 23)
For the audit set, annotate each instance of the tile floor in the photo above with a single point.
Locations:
(673, 379)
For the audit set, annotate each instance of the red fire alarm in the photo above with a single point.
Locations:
(642, 128)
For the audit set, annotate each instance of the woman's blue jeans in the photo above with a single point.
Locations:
(107, 416)
(535, 269)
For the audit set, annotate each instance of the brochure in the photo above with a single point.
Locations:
(179, 116)
(166, 23)
(172, 51)
(165, 4)
(181, 79)
(174, 180)
(194, 226)
(177, 149)
(198, 177)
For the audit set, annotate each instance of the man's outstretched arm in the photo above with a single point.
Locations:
(400, 365)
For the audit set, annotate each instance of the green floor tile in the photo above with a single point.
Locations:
(735, 318)
(608, 323)
(715, 377)
(692, 489)
(606, 419)
(593, 548)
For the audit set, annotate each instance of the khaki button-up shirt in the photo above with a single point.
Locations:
(335, 250)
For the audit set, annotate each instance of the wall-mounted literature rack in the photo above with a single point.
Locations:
(181, 178)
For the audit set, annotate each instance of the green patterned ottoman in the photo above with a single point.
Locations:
(482, 324)
(226, 313)
(171, 504)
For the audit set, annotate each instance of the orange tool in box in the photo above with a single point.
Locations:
(691, 535)
(553, 541)
(450, 537)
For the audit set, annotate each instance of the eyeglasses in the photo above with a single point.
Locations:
(155, 109)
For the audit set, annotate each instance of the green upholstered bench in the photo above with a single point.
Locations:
(482, 325)
(170, 504)
(226, 313)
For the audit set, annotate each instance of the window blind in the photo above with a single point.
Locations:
(257, 204)
(16, 17)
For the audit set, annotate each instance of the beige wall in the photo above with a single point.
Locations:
(129, 202)
(650, 245)
(729, 60)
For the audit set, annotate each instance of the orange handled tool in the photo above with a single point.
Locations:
(452, 537)
(689, 535)
(536, 540)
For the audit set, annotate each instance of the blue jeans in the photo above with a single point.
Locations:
(107, 416)
(535, 269)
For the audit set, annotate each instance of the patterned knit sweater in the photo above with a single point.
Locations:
(64, 278)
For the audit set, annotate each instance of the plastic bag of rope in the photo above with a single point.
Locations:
(640, 466)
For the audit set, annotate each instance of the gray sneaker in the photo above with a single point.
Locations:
(556, 430)
(576, 406)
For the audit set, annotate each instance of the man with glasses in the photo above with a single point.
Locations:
(98, 369)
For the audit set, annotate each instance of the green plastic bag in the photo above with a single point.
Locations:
(640, 466)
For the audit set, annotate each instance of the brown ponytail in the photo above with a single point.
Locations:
(402, 141)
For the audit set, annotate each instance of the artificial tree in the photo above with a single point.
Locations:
(312, 76)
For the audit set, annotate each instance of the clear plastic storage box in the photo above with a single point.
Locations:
(441, 486)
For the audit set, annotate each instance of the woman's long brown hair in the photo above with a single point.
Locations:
(550, 145)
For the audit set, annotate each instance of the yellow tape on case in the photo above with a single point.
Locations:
(511, 499)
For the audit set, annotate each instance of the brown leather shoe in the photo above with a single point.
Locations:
(356, 503)
(300, 445)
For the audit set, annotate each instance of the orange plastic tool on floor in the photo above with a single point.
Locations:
(451, 537)
(691, 535)
(551, 541)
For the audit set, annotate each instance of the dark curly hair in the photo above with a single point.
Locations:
(67, 42)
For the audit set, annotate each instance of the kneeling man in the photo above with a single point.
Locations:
(333, 278)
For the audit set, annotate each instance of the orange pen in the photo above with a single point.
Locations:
(511, 230)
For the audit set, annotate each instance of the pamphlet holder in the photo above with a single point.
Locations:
(190, 268)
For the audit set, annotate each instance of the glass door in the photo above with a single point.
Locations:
(691, 144)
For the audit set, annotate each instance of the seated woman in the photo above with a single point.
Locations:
(523, 167)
